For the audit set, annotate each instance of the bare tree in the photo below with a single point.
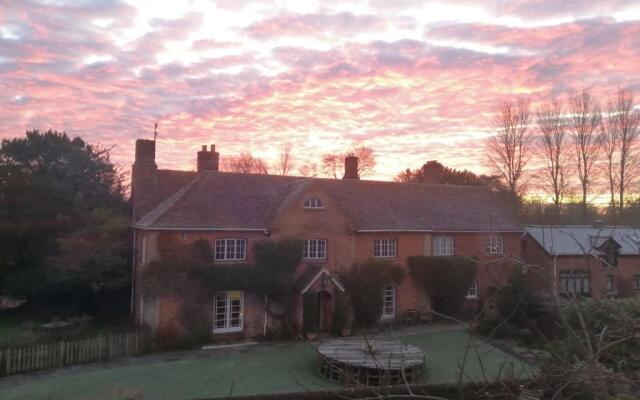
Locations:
(333, 163)
(508, 149)
(285, 162)
(245, 163)
(309, 170)
(551, 146)
(366, 159)
(621, 140)
(584, 122)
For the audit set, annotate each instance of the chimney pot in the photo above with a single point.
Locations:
(351, 167)
(208, 160)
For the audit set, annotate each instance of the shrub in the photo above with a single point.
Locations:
(445, 279)
(517, 302)
(365, 284)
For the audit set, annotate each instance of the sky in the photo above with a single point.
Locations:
(413, 80)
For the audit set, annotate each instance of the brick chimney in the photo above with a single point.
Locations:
(144, 179)
(432, 172)
(208, 160)
(351, 167)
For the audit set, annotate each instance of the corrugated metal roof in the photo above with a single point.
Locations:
(576, 240)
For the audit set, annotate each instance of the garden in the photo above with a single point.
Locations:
(270, 368)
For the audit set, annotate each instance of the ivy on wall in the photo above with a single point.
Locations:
(365, 284)
(445, 279)
(187, 272)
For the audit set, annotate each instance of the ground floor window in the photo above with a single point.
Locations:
(389, 302)
(472, 292)
(610, 285)
(637, 279)
(575, 283)
(228, 311)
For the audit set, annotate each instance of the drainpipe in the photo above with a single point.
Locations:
(555, 275)
(266, 304)
(133, 272)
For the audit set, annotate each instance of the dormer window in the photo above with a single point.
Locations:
(312, 202)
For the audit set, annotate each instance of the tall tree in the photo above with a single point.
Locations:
(49, 185)
(245, 163)
(621, 141)
(551, 145)
(584, 124)
(309, 170)
(333, 163)
(508, 150)
(452, 176)
(285, 162)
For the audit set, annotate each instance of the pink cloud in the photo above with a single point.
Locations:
(408, 98)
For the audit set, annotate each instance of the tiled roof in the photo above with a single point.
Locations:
(219, 200)
(579, 240)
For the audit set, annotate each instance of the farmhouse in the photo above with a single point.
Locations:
(593, 261)
(341, 222)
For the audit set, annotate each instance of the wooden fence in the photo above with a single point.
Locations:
(59, 354)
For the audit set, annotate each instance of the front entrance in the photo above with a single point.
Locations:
(325, 311)
(317, 311)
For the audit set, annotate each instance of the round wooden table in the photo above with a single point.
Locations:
(371, 362)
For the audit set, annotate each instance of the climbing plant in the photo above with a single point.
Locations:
(445, 279)
(365, 284)
(187, 272)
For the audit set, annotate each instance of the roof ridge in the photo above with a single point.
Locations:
(343, 181)
(165, 205)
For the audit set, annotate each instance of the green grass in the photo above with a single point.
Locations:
(268, 368)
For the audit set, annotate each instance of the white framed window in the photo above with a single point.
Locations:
(184, 236)
(637, 282)
(315, 249)
(472, 292)
(610, 285)
(384, 248)
(228, 311)
(231, 249)
(442, 246)
(494, 245)
(312, 202)
(575, 283)
(389, 302)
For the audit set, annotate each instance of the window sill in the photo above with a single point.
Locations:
(242, 261)
(383, 257)
(473, 297)
(387, 317)
(227, 330)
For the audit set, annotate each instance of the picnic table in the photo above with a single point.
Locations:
(370, 362)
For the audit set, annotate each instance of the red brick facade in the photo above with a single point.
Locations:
(344, 248)
(353, 215)
(545, 272)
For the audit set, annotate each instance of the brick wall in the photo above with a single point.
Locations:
(544, 273)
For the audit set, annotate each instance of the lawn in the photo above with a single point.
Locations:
(268, 368)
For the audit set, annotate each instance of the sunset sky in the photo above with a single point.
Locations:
(413, 80)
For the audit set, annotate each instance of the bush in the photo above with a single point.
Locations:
(365, 284)
(517, 302)
(445, 279)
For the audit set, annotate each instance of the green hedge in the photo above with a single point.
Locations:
(365, 283)
(445, 279)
